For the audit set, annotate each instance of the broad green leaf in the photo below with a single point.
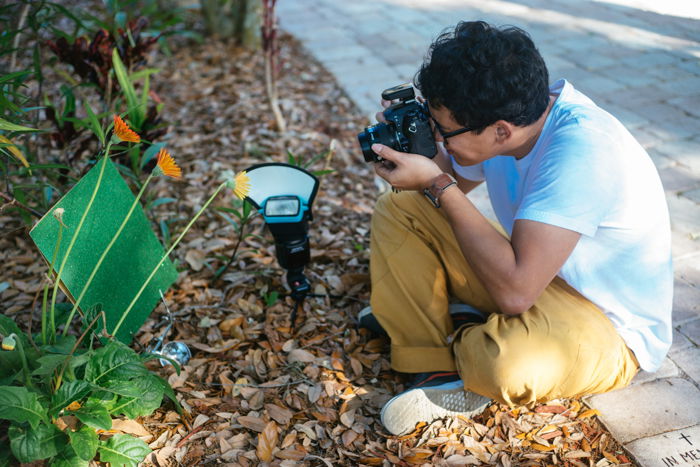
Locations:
(19, 405)
(94, 415)
(169, 392)
(31, 444)
(48, 364)
(123, 450)
(63, 345)
(7, 326)
(84, 442)
(149, 399)
(67, 394)
(68, 458)
(114, 361)
(9, 126)
(124, 388)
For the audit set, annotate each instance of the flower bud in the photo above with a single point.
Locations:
(9, 342)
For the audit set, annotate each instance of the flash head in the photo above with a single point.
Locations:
(287, 207)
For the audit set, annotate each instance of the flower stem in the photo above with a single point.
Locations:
(165, 256)
(77, 230)
(46, 290)
(23, 357)
(105, 252)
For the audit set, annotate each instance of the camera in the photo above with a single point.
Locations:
(407, 128)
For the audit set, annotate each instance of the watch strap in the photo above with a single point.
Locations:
(437, 187)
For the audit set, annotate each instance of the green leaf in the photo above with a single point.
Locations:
(9, 126)
(123, 450)
(149, 399)
(68, 393)
(114, 361)
(94, 415)
(160, 201)
(19, 405)
(48, 364)
(31, 444)
(7, 326)
(68, 458)
(168, 390)
(95, 123)
(84, 442)
(136, 113)
(150, 153)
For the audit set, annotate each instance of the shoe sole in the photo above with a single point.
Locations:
(401, 414)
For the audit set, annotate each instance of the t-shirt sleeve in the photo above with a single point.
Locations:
(474, 173)
(573, 182)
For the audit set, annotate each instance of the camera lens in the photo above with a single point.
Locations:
(381, 133)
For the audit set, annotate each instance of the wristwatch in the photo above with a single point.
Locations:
(437, 188)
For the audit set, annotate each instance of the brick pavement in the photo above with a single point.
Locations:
(644, 68)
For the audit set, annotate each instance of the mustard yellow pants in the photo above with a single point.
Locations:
(564, 346)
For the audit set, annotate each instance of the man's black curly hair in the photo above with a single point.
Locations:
(483, 74)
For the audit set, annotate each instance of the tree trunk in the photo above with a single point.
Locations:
(236, 19)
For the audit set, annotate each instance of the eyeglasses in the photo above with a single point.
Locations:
(443, 133)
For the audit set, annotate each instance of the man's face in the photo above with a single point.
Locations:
(468, 148)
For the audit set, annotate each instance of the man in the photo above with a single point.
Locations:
(576, 287)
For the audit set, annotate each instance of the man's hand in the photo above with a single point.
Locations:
(405, 171)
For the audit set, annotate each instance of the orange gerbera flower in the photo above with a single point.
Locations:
(166, 165)
(123, 132)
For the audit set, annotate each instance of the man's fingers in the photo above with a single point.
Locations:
(386, 152)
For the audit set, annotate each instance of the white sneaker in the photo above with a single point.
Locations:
(437, 397)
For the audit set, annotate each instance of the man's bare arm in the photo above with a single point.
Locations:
(514, 272)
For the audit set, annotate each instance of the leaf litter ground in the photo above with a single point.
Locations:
(257, 391)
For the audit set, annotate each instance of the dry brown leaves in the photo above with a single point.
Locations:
(256, 391)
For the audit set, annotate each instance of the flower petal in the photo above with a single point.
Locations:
(167, 164)
(123, 132)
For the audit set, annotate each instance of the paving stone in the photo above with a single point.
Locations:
(679, 447)
(691, 330)
(668, 369)
(685, 152)
(679, 345)
(648, 60)
(348, 52)
(689, 104)
(631, 78)
(660, 112)
(647, 409)
(693, 195)
(685, 87)
(682, 128)
(684, 217)
(677, 178)
(668, 73)
(689, 361)
(661, 161)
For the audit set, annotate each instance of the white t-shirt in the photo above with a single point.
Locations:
(588, 174)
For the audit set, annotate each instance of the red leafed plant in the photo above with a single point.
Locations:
(92, 59)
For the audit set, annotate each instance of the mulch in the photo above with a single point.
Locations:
(257, 390)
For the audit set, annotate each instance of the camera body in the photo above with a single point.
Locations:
(407, 127)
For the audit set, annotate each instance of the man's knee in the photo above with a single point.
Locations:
(520, 372)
